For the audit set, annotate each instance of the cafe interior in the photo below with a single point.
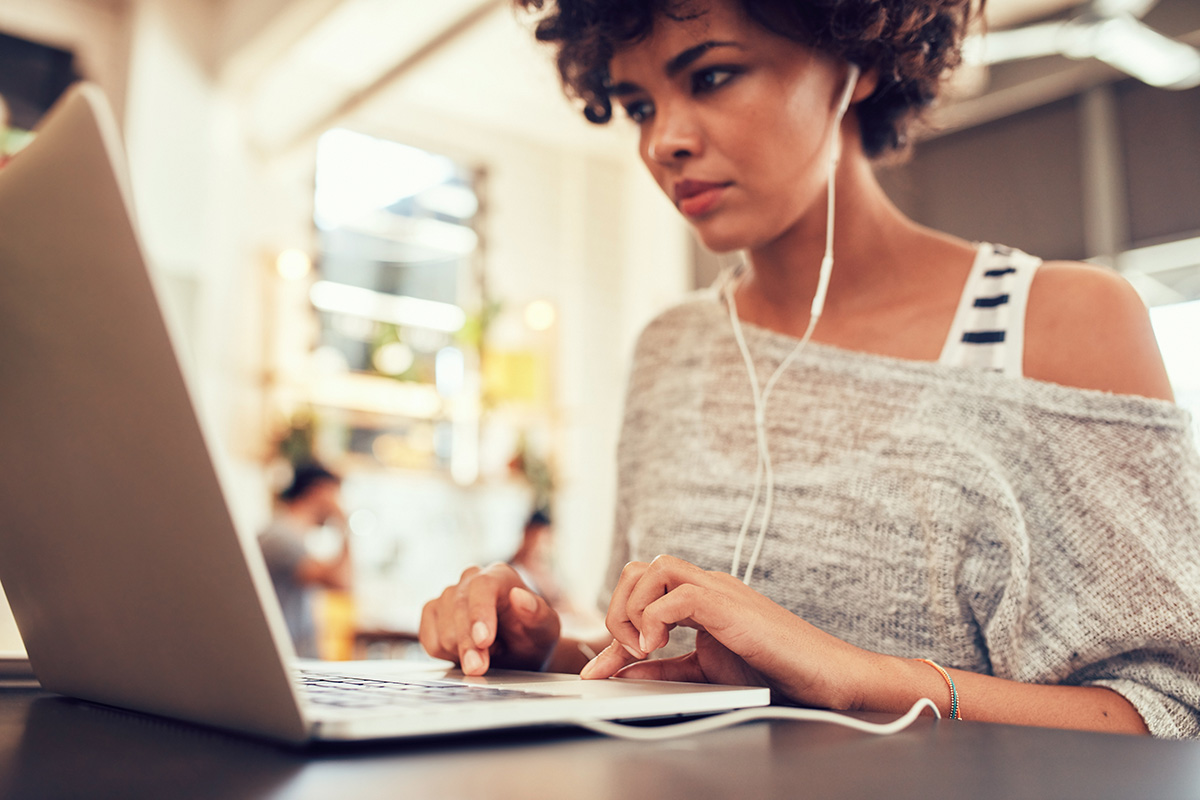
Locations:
(388, 243)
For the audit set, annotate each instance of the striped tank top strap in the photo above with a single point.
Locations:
(988, 332)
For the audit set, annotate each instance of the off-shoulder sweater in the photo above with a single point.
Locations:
(1005, 526)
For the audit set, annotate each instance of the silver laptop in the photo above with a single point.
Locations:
(127, 576)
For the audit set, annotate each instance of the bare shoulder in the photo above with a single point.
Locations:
(1087, 327)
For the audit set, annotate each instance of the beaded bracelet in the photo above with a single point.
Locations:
(955, 712)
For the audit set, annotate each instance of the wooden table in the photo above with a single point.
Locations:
(51, 747)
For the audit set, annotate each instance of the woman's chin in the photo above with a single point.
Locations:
(720, 242)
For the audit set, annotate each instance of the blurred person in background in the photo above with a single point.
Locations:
(533, 560)
(312, 500)
(972, 460)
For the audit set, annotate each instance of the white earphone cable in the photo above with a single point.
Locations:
(691, 727)
(760, 397)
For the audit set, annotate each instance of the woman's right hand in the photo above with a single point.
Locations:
(490, 618)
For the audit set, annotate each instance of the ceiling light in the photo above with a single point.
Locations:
(342, 298)
(1145, 53)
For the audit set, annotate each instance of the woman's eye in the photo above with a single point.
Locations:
(639, 110)
(706, 80)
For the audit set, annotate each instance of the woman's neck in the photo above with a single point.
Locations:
(880, 257)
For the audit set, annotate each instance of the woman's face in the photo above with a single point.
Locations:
(734, 122)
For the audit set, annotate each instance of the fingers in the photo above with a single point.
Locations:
(609, 662)
(618, 620)
(666, 577)
(475, 612)
(524, 609)
(436, 631)
(682, 668)
(462, 620)
(652, 599)
(531, 629)
(489, 615)
(641, 585)
(742, 636)
(702, 607)
(428, 633)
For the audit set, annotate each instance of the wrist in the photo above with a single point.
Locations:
(892, 684)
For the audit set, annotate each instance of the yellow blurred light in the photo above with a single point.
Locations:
(516, 376)
(388, 448)
(293, 264)
(540, 315)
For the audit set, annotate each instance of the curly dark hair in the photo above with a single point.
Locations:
(911, 43)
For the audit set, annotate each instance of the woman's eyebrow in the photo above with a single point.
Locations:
(681, 61)
(673, 67)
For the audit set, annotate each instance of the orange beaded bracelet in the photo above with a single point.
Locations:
(955, 711)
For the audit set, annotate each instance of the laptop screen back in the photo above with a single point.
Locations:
(118, 554)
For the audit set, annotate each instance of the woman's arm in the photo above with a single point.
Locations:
(894, 684)
(743, 637)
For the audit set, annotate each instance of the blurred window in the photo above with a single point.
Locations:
(397, 260)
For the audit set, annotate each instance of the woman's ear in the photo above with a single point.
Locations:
(868, 82)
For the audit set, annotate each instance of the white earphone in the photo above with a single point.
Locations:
(761, 396)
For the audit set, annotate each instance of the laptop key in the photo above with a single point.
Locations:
(352, 692)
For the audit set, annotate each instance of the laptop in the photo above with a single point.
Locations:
(128, 577)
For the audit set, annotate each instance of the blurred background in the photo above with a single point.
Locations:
(388, 243)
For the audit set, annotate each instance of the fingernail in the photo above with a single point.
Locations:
(471, 662)
(633, 651)
(589, 668)
(525, 600)
(642, 643)
(479, 633)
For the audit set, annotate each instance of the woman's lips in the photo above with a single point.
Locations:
(694, 198)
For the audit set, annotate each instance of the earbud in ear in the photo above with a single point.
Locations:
(852, 75)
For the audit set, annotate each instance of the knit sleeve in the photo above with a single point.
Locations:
(1111, 529)
(646, 351)
(618, 554)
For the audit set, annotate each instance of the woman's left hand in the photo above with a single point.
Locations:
(742, 637)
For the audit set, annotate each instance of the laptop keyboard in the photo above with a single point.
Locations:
(347, 691)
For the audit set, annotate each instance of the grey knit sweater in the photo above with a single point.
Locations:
(1006, 526)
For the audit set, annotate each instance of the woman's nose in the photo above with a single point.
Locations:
(674, 136)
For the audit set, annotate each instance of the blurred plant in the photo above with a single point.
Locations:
(296, 441)
(388, 337)
(537, 471)
(474, 336)
(474, 332)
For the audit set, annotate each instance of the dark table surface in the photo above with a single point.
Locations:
(53, 747)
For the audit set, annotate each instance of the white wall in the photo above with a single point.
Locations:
(194, 185)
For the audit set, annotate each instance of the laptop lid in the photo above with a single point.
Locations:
(121, 562)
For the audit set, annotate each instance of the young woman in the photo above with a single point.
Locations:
(882, 463)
